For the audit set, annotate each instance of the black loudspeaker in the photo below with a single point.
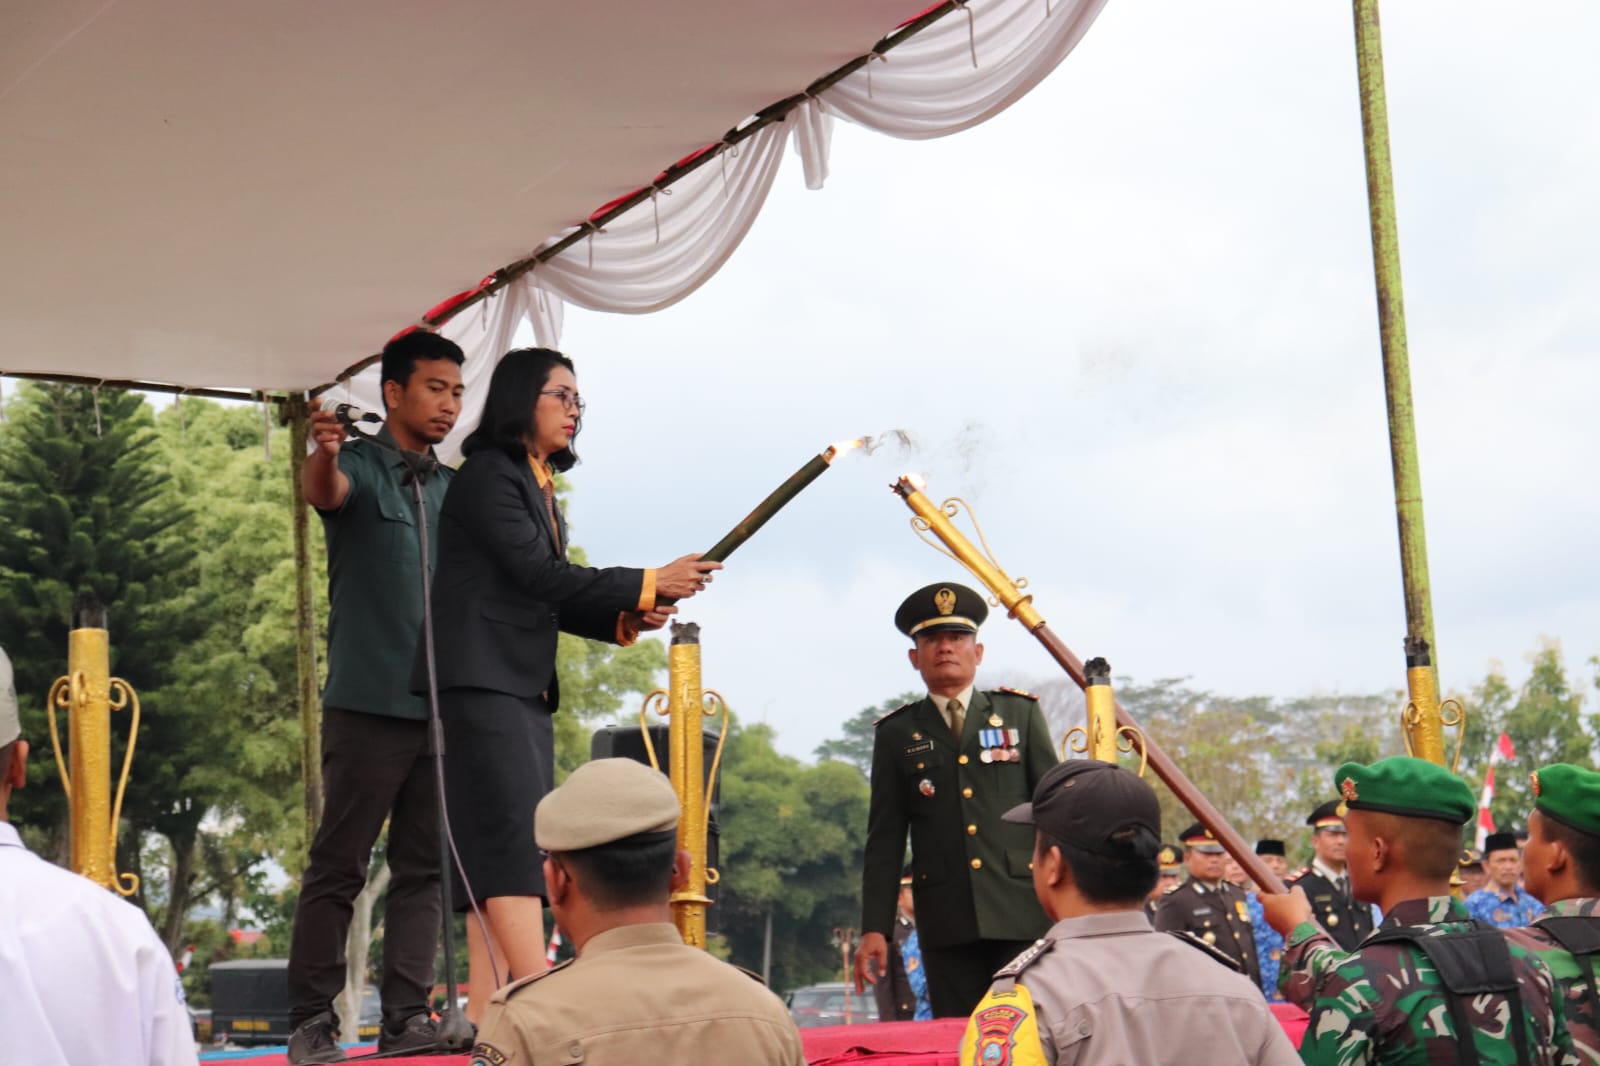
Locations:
(627, 742)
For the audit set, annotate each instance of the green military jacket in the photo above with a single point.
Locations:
(971, 873)
(1385, 1003)
(1575, 979)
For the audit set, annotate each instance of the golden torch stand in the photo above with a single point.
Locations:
(89, 694)
(1425, 718)
(686, 706)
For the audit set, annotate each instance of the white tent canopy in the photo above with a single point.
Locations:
(257, 196)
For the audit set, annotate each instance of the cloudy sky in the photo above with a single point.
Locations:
(1132, 320)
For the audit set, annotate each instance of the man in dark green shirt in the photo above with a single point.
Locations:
(376, 762)
(944, 769)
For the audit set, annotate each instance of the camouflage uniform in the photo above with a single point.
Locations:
(1582, 998)
(1385, 1002)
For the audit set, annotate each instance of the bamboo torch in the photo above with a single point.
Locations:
(936, 520)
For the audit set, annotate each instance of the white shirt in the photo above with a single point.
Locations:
(943, 703)
(84, 979)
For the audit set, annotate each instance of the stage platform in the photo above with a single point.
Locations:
(934, 1043)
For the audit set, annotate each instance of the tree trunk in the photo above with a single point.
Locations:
(184, 848)
(356, 945)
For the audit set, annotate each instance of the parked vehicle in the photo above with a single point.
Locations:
(832, 1003)
(250, 1004)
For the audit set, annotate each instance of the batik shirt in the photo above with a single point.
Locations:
(916, 976)
(1385, 1003)
(1582, 999)
(1269, 948)
(1504, 912)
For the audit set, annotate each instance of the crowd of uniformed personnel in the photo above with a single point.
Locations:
(1044, 896)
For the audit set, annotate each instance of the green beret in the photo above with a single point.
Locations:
(602, 802)
(1412, 788)
(1569, 794)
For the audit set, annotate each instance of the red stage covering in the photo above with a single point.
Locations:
(935, 1043)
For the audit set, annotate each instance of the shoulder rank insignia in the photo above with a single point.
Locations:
(1205, 946)
(518, 985)
(884, 718)
(1028, 957)
(1017, 692)
(752, 975)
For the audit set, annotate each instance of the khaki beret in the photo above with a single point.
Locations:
(605, 801)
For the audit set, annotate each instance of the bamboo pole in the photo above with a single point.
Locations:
(299, 416)
(1396, 358)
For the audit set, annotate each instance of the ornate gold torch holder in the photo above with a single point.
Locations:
(686, 706)
(89, 694)
(933, 523)
(1425, 718)
(1100, 736)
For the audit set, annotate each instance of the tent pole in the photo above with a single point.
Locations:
(298, 413)
(1419, 644)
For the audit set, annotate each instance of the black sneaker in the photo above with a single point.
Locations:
(316, 1041)
(419, 1033)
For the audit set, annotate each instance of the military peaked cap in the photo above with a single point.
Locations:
(941, 606)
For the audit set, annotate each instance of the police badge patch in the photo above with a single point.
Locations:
(997, 1028)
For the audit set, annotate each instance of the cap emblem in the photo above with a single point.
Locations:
(945, 601)
(1347, 789)
(1534, 779)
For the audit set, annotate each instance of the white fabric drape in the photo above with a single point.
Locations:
(932, 87)
(968, 67)
(664, 249)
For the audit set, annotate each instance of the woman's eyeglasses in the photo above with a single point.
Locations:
(570, 401)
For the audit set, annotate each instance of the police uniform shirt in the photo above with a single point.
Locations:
(1347, 920)
(1107, 990)
(1220, 916)
(83, 976)
(638, 994)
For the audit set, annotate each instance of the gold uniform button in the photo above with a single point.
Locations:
(919, 766)
(977, 864)
(972, 830)
(966, 793)
(963, 760)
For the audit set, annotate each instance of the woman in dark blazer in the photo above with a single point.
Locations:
(502, 591)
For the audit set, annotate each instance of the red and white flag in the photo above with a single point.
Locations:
(555, 944)
(188, 957)
(1503, 750)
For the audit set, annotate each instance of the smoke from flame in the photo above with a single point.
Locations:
(899, 437)
(916, 481)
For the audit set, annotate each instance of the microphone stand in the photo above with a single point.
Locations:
(455, 1032)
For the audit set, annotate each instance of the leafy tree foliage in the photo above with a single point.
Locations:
(855, 746)
(792, 840)
(89, 509)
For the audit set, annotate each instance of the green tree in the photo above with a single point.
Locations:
(1546, 724)
(89, 509)
(792, 841)
(855, 746)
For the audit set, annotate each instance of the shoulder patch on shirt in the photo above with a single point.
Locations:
(1003, 1031)
(891, 714)
(486, 1054)
(1025, 694)
(1200, 945)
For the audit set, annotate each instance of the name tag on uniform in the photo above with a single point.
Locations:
(918, 749)
(1201, 910)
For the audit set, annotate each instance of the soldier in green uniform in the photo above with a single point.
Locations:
(1208, 907)
(1561, 867)
(945, 769)
(1430, 985)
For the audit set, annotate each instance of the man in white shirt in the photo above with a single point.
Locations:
(84, 979)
